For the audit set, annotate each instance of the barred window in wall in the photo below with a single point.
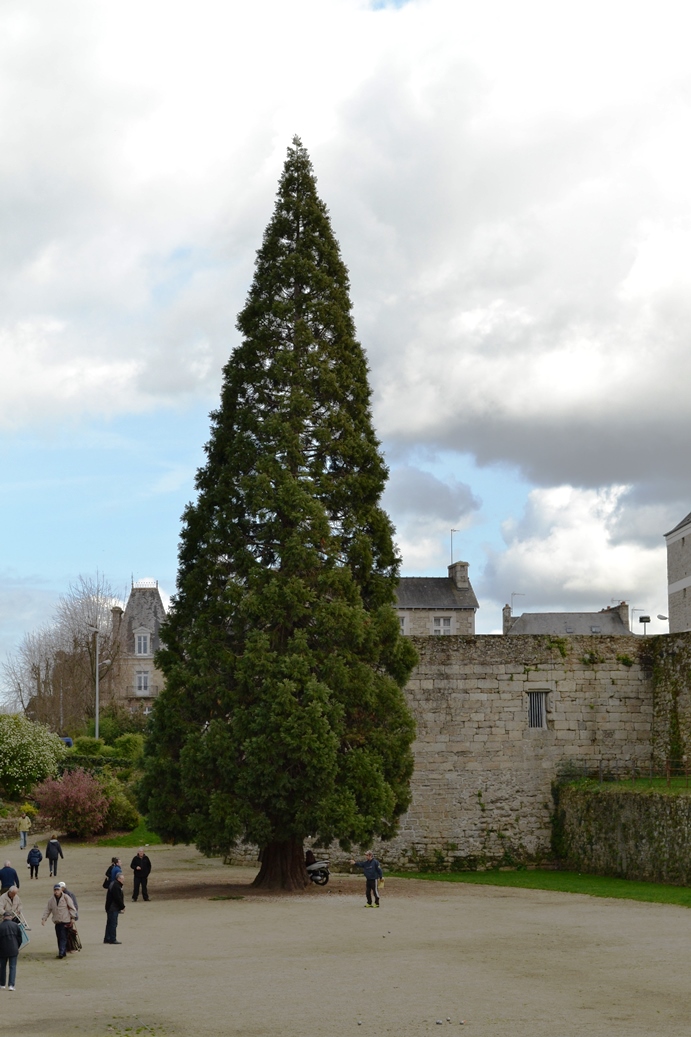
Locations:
(142, 682)
(442, 624)
(537, 709)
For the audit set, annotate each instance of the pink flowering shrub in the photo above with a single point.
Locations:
(75, 803)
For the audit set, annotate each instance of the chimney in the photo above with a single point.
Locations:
(623, 609)
(507, 619)
(458, 573)
(117, 614)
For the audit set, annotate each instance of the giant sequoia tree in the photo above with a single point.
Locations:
(283, 714)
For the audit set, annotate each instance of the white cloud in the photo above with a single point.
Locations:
(562, 554)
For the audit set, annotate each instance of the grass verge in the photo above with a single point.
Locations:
(562, 882)
(139, 836)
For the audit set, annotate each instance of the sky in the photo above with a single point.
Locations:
(510, 186)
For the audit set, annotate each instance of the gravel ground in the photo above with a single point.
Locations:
(506, 962)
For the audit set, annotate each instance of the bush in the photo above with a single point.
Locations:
(29, 752)
(87, 746)
(122, 814)
(130, 746)
(74, 804)
(29, 809)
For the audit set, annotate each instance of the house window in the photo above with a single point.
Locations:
(142, 644)
(142, 685)
(442, 624)
(537, 709)
(401, 620)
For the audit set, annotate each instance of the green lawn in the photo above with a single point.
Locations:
(562, 882)
(140, 836)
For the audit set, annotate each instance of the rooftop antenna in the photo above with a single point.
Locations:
(452, 533)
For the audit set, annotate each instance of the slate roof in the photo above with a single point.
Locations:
(684, 522)
(144, 609)
(561, 623)
(433, 592)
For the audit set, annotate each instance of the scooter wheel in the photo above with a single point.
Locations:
(320, 878)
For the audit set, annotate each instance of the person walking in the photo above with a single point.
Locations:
(53, 851)
(115, 904)
(10, 901)
(10, 942)
(61, 907)
(8, 877)
(72, 897)
(141, 866)
(33, 859)
(371, 869)
(24, 827)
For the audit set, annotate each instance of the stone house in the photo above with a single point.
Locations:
(437, 604)
(138, 681)
(613, 621)
(679, 576)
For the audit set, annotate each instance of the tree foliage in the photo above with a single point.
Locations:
(75, 803)
(283, 714)
(51, 677)
(29, 752)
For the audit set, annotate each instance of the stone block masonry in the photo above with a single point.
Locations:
(482, 787)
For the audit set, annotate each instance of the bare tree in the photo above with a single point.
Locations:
(52, 675)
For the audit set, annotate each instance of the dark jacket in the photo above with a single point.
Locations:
(8, 877)
(74, 901)
(371, 869)
(141, 862)
(10, 939)
(115, 897)
(34, 857)
(53, 850)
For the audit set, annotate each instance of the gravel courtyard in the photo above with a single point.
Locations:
(507, 962)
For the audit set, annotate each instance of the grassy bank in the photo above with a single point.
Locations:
(139, 836)
(562, 882)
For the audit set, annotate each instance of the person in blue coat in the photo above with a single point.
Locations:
(8, 877)
(371, 869)
(33, 859)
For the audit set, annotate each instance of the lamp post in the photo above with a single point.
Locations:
(106, 662)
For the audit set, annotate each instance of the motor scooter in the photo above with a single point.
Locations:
(319, 872)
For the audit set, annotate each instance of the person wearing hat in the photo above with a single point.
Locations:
(115, 904)
(10, 942)
(61, 907)
(70, 894)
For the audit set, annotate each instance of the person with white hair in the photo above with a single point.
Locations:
(11, 901)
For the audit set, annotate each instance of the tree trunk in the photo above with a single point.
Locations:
(283, 867)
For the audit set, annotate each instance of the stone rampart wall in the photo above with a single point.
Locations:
(482, 783)
(482, 787)
(644, 836)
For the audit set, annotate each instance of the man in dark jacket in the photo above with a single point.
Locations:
(115, 903)
(372, 872)
(141, 866)
(10, 942)
(8, 877)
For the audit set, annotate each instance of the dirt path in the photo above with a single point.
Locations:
(508, 962)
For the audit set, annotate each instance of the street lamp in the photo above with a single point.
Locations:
(106, 662)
